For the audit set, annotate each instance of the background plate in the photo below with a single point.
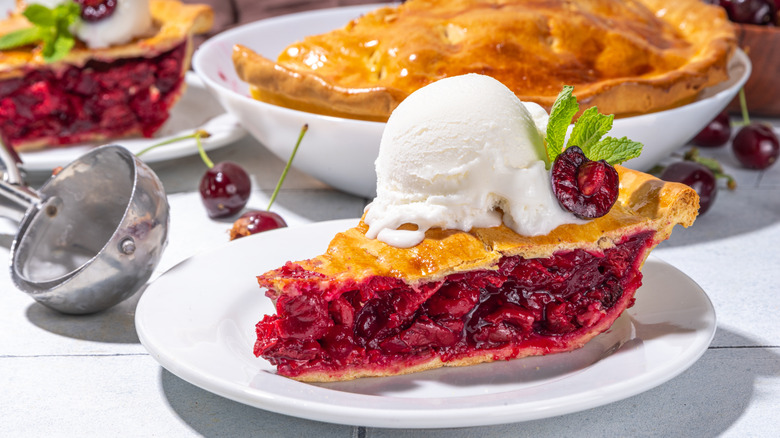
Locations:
(198, 319)
(196, 109)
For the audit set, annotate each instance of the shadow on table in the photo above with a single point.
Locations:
(705, 400)
(115, 325)
(732, 214)
(211, 415)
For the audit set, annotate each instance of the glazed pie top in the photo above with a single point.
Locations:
(644, 203)
(625, 56)
(173, 23)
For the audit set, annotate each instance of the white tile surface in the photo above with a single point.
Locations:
(88, 376)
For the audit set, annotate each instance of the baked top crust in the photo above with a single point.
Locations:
(624, 56)
(173, 21)
(644, 203)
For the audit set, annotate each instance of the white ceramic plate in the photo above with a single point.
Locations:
(341, 152)
(197, 320)
(196, 109)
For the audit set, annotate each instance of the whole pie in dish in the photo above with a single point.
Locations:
(97, 93)
(627, 57)
(365, 308)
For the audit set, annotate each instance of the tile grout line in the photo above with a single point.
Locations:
(742, 347)
(12, 356)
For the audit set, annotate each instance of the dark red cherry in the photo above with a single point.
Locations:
(225, 189)
(761, 12)
(96, 10)
(756, 146)
(698, 177)
(586, 188)
(256, 221)
(716, 133)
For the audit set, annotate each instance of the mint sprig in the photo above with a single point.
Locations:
(51, 26)
(564, 108)
(588, 132)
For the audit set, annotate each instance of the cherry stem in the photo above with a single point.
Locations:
(287, 167)
(197, 135)
(743, 106)
(202, 152)
(712, 164)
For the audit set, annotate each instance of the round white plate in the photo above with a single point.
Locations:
(197, 320)
(196, 109)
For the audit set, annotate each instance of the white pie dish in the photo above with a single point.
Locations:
(341, 152)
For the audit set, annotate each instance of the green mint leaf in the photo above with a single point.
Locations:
(51, 27)
(20, 38)
(48, 37)
(60, 47)
(563, 110)
(615, 150)
(589, 128)
(67, 13)
(40, 15)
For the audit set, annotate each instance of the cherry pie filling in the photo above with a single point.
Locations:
(382, 323)
(100, 99)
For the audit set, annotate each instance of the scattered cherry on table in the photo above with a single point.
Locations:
(716, 133)
(698, 177)
(225, 189)
(759, 12)
(256, 221)
(756, 146)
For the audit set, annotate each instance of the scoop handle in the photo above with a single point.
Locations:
(15, 197)
(11, 161)
(16, 200)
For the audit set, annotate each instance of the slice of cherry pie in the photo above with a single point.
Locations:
(365, 308)
(96, 94)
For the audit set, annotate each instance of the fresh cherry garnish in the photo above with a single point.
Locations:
(96, 10)
(256, 221)
(698, 177)
(586, 188)
(761, 12)
(716, 133)
(756, 146)
(225, 189)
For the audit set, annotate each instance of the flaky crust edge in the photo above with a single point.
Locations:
(644, 203)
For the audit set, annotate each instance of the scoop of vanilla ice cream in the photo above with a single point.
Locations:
(130, 19)
(460, 153)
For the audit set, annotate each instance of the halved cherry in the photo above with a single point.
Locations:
(586, 188)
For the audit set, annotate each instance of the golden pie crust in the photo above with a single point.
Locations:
(645, 203)
(174, 22)
(627, 57)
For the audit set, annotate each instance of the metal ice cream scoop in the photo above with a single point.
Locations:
(92, 235)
